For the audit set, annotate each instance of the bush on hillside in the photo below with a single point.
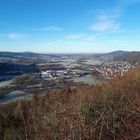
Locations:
(106, 112)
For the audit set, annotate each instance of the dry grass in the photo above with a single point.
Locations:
(107, 112)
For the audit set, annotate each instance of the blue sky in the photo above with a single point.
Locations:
(69, 26)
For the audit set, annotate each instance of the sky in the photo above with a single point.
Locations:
(69, 26)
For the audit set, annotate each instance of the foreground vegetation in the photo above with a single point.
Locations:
(107, 112)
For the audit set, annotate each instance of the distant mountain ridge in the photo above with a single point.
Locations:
(116, 53)
(15, 54)
(110, 55)
(131, 57)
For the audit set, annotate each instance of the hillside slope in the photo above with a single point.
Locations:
(106, 112)
(131, 57)
(110, 55)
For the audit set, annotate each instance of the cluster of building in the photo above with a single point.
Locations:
(114, 70)
(66, 74)
(107, 71)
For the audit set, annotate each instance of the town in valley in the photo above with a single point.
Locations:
(23, 75)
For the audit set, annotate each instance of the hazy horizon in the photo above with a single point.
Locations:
(69, 26)
(66, 52)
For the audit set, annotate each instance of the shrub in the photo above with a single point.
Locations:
(106, 112)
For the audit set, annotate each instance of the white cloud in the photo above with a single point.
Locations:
(105, 23)
(108, 19)
(49, 28)
(90, 38)
(81, 37)
(75, 36)
(14, 36)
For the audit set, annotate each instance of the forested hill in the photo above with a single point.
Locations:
(131, 57)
